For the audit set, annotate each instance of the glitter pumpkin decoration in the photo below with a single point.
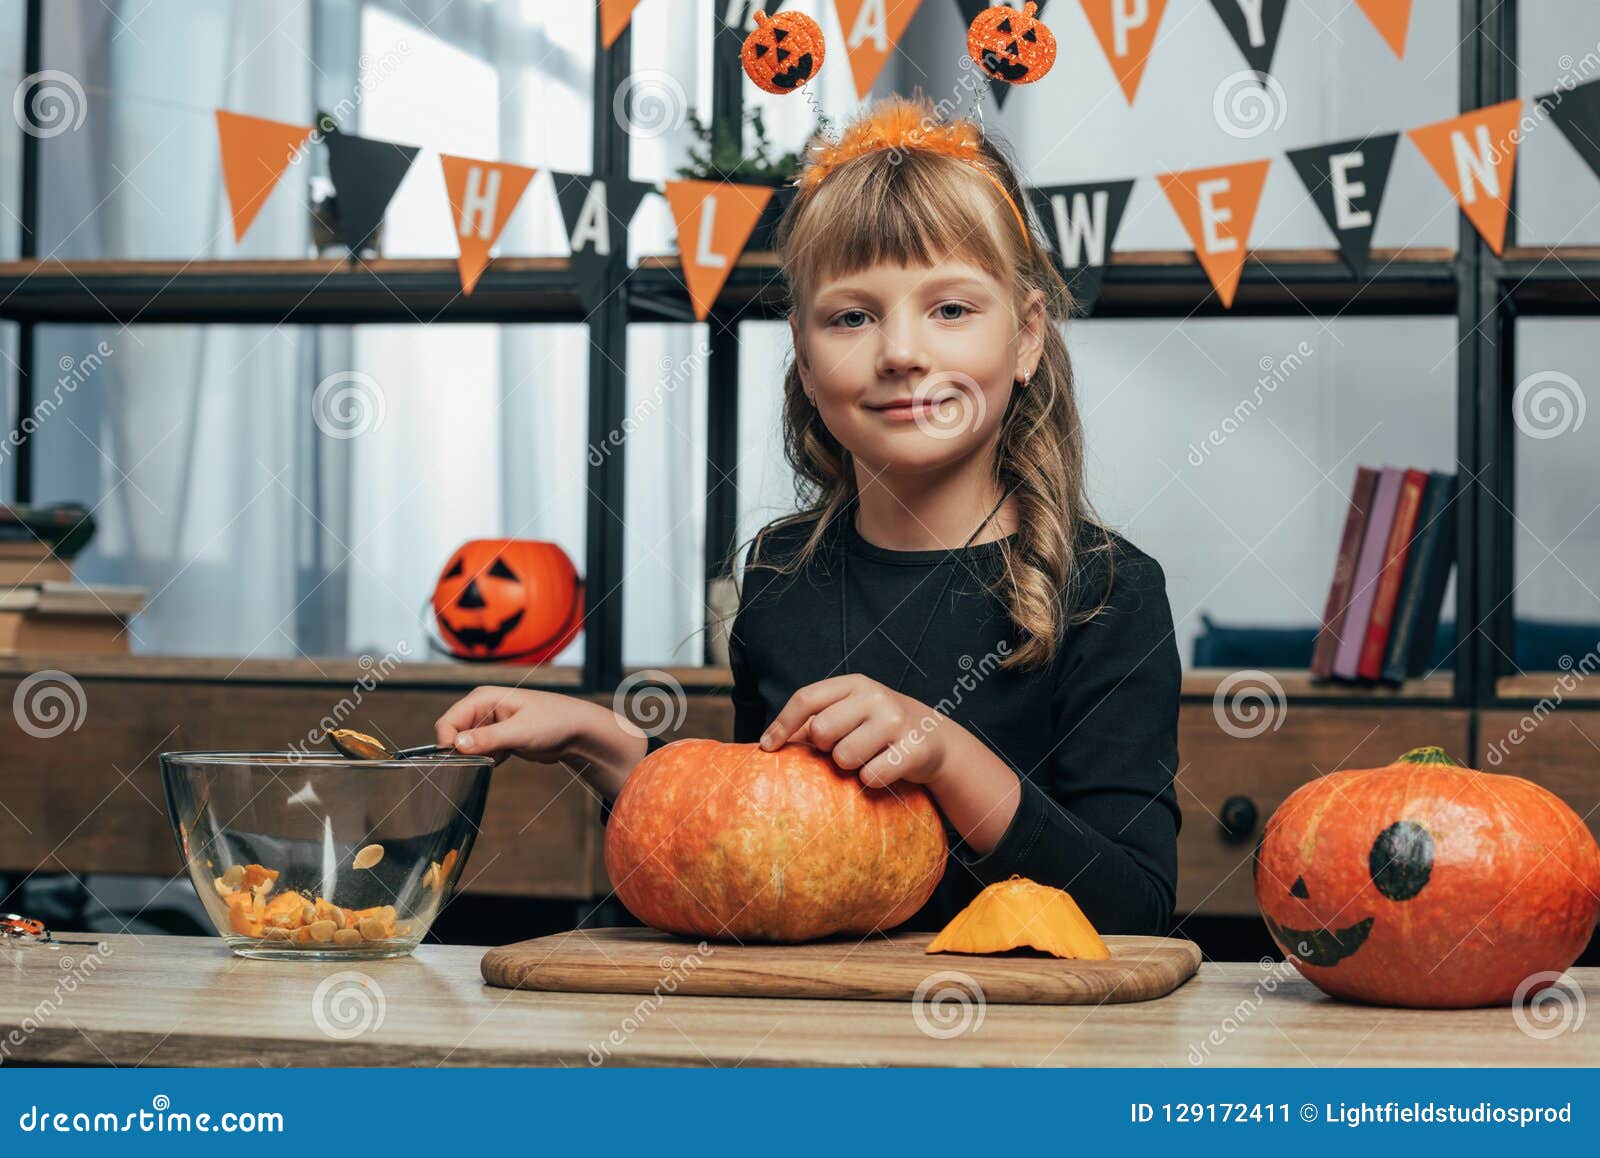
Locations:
(1012, 46)
(783, 52)
(1021, 914)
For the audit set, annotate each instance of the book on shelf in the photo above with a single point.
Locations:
(69, 617)
(63, 529)
(1390, 572)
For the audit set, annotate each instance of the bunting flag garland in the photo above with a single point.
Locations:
(1255, 26)
(1346, 180)
(1475, 155)
(969, 12)
(482, 196)
(872, 28)
(614, 17)
(1576, 112)
(596, 214)
(1081, 222)
(255, 153)
(1392, 19)
(365, 175)
(714, 221)
(1126, 33)
(1217, 207)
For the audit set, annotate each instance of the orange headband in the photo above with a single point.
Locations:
(899, 125)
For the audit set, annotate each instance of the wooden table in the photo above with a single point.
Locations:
(188, 1001)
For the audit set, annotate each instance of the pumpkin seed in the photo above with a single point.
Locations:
(222, 887)
(369, 856)
(322, 931)
(275, 933)
(308, 914)
(346, 937)
(372, 928)
(234, 877)
(336, 915)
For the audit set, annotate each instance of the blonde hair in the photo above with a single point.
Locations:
(915, 208)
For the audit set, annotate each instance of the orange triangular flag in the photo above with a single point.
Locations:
(1217, 207)
(1392, 18)
(714, 221)
(254, 155)
(1125, 40)
(1475, 154)
(871, 30)
(614, 17)
(482, 195)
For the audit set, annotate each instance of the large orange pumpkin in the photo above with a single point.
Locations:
(508, 600)
(728, 841)
(1428, 884)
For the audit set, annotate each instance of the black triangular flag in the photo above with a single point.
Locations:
(1254, 26)
(1082, 222)
(596, 214)
(1576, 112)
(1347, 179)
(365, 173)
(969, 13)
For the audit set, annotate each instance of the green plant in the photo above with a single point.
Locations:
(718, 153)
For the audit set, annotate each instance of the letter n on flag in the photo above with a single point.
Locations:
(255, 152)
(482, 196)
(1475, 155)
(1217, 208)
(715, 219)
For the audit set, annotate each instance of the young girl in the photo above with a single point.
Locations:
(945, 608)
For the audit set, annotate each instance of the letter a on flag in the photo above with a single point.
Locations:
(255, 153)
(1217, 207)
(1475, 155)
(482, 197)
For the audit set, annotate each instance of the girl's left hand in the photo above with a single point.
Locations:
(866, 726)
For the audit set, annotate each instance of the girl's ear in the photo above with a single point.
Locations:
(1031, 321)
(800, 361)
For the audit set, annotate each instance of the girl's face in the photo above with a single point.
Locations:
(912, 368)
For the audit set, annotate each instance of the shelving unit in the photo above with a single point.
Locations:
(1486, 294)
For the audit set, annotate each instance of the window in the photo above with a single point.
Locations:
(139, 178)
(288, 491)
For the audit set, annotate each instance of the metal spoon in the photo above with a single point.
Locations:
(360, 746)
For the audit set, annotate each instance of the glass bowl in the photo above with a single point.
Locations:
(323, 857)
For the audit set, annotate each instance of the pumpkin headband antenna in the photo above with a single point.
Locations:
(785, 51)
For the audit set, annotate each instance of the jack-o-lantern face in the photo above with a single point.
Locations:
(1424, 883)
(1399, 864)
(1012, 46)
(783, 52)
(508, 599)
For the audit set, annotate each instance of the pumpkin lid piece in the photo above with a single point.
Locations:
(1019, 913)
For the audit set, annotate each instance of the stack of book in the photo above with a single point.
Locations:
(1395, 555)
(41, 607)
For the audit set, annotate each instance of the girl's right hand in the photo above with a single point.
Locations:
(501, 722)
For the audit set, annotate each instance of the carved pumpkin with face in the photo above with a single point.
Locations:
(1427, 884)
(1012, 46)
(783, 52)
(511, 600)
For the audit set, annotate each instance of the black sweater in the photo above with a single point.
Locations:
(1093, 737)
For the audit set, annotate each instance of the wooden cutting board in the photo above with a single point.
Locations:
(878, 968)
